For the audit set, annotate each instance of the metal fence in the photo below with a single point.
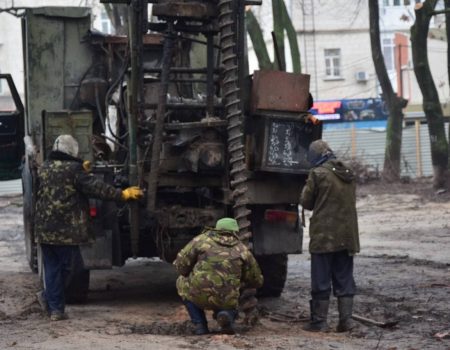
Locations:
(10, 187)
(368, 146)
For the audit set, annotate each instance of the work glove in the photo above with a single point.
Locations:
(87, 166)
(132, 193)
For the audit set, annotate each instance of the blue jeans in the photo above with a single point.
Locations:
(57, 261)
(196, 314)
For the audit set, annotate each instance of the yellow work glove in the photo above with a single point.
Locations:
(133, 192)
(87, 166)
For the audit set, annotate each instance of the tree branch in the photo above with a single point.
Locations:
(14, 11)
(440, 12)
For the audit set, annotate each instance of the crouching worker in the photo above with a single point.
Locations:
(213, 268)
(62, 216)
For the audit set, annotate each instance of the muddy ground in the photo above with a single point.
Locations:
(402, 273)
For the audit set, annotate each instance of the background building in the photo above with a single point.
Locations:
(334, 41)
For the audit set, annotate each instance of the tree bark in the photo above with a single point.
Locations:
(292, 38)
(281, 22)
(395, 104)
(431, 104)
(118, 15)
(259, 45)
(447, 29)
(278, 29)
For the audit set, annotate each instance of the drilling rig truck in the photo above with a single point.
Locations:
(172, 108)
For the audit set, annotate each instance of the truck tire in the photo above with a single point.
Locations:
(28, 220)
(30, 246)
(77, 281)
(274, 270)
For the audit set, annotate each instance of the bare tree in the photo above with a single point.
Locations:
(447, 29)
(395, 104)
(431, 104)
(281, 23)
(257, 38)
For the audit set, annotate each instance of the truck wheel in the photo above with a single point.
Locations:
(274, 270)
(30, 247)
(28, 222)
(77, 281)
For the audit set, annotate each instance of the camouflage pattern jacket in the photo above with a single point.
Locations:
(213, 268)
(330, 192)
(62, 206)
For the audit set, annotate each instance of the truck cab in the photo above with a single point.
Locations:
(11, 129)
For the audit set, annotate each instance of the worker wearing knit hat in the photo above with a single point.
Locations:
(213, 268)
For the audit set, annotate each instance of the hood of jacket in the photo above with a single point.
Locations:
(225, 238)
(341, 170)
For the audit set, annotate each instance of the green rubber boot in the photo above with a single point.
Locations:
(319, 314)
(345, 307)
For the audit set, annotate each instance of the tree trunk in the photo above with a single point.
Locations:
(281, 22)
(118, 15)
(447, 29)
(278, 29)
(292, 38)
(259, 45)
(395, 104)
(431, 103)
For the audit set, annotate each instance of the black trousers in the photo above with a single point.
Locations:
(332, 269)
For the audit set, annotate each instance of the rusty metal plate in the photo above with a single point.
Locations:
(196, 10)
(279, 91)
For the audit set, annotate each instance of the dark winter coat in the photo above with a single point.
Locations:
(213, 268)
(330, 192)
(62, 206)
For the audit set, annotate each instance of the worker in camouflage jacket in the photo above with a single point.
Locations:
(62, 216)
(331, 194)
(214, 267)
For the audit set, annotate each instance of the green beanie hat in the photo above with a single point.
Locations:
(227, 224)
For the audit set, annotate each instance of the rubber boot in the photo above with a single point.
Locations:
(345, 307)
(198, 318)
(319, 314)
(225, 319)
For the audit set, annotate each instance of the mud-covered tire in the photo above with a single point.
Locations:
(274, 269)
(30, 249)
(77, 281)
(28, 221)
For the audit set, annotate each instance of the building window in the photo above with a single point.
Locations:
(333, 63)
(388, 53)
